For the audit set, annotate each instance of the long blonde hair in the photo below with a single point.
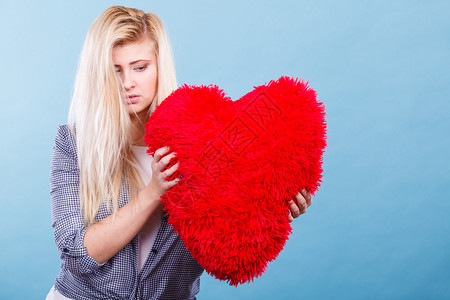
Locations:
(98, 116)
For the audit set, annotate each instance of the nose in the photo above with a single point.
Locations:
(128, 81)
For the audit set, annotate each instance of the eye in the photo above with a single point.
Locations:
(118, 70)
(140, 68)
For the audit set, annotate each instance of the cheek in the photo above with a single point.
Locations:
(152, 80)
(153, 85)
(149, 82)
(155, 79)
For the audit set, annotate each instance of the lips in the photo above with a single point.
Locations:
(132, 99)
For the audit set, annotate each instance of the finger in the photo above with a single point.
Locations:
(290, 218)
(307, 196)
(301, 203)
(293, 209)
(171, 170)
(160, 153)
(166, 160)
(172, 183)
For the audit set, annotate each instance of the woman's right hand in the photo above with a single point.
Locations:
(107, 237)
(161, 160)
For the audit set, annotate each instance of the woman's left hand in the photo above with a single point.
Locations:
(299, 204)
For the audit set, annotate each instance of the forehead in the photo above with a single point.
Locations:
(132, 51)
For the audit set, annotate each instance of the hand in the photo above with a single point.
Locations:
(299, 204)
(161, 159)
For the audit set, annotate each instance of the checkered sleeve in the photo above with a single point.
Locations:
(67, 220)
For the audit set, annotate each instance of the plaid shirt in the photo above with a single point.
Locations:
(170, 272)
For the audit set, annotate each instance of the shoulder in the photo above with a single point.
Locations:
(64, 131)
(65, 140)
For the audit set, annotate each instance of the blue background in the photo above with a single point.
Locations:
(379, 227)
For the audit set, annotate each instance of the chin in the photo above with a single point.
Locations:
(141, 113)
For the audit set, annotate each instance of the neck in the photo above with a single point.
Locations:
(137, 130)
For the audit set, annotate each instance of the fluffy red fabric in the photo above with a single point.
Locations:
(241, 162)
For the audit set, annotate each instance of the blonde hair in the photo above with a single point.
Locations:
(98, 117)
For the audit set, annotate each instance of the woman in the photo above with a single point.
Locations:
(109, 227)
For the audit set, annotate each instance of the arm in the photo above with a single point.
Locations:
(67, 221)
(106, 238)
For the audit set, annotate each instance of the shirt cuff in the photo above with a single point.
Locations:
(75, 255)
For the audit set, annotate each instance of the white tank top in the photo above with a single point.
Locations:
(148, 233)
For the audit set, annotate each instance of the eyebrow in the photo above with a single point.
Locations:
(136, 61)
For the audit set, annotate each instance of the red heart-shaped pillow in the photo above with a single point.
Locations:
(241, 162)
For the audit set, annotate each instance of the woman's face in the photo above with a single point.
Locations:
(136, 65)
